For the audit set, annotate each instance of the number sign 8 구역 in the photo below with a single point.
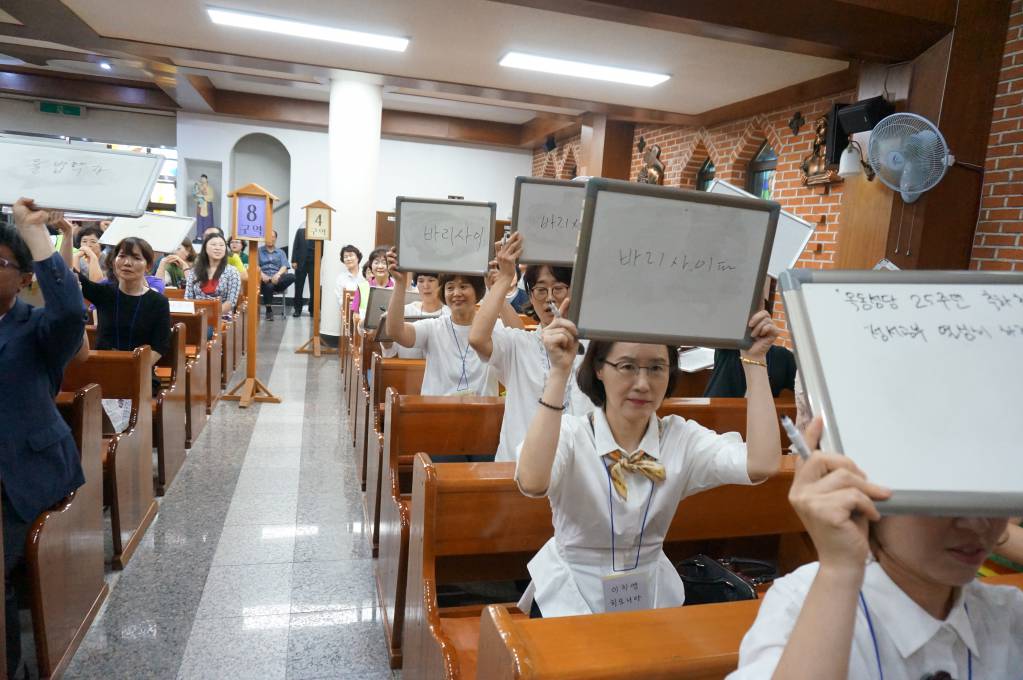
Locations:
(317, 224)
(251, 218)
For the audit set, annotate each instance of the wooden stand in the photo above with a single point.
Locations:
(313, 346)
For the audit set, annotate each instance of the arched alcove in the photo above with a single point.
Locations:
(262, 159)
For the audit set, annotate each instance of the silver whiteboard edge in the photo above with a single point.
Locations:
(917, 276)
(952, 504)
(811, 372)
(590, 333)
(548, 262)
(521, 180)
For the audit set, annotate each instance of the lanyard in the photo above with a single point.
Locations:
(117, 319)
(462, 355)
(877, 650)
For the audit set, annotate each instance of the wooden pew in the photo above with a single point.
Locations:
(169, 412)
(195, 373)
(172, 293)
(406, 377)
(435, 425)
(351, 383)
(346, 331)
(214, 352)
(64, 550)
(470, 522)
(128, 463)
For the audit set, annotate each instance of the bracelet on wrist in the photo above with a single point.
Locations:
(753, 362)
(553, 408)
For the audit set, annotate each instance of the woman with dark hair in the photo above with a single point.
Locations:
(377, 278)
(130, 312)
(89, 258)
(349, 278)
(212, 278)
(175, 266)
(615, 477)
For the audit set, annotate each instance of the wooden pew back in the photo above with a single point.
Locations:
(196, 366)
(170, 412)
(174, 293)
(405, 376)
(122, 375)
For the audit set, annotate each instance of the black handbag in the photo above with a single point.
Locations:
(707, 580)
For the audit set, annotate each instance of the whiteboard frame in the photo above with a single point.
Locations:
(593, 188)
(959, 504)
(142, 202)
(373, 302)
(405, 267)
(519, 181)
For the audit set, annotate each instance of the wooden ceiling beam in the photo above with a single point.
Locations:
(869, 30)
(57, 86)
(535, 132)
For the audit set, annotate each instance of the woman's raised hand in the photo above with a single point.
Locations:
(764, 333)
(400, 279)
(561, 340)
(508, 254)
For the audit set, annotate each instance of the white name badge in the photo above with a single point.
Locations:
(628, 592)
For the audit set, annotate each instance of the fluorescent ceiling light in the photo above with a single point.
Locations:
(261, 22)
(581, 69)
(104, 65)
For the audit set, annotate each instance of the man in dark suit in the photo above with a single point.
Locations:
(39, 462)
(303, 257)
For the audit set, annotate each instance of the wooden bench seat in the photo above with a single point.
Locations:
(214, 352)
(195, 372)
(169, 411)
(64, 549)
(404, 376)
(128, 463)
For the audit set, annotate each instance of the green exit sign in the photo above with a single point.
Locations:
(62, 109)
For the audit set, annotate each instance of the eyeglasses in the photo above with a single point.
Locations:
(632, 370)
(558, 291)
(5, 263)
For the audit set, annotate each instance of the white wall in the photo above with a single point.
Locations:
(101, 125)
(262, 160)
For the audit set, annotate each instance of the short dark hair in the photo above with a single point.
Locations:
(560, 274)
(10, 237)
(479, 286)
(593, 387)
(87, 231)
(206, 176)
(377, 254)
(130, 245)
(351, 249)
(434, 275)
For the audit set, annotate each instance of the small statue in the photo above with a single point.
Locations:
(815, 166)
(204, 215)
(653, 168)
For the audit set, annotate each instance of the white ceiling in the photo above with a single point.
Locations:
(462, 40)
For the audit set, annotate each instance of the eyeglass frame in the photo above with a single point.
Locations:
(639, 369)
(13, 264)
(548, 293)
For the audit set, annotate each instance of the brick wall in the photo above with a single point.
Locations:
(557, 164)
(998, 243)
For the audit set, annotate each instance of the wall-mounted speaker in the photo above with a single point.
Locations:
(550, 144)
(864, 115)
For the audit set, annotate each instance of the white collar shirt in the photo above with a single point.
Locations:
(986, 619)
(452, 365)
(346, 281)
(522, 365)
(568, 571)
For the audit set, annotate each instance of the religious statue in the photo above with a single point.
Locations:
(653, 168)
(815, 166)
(202, 192)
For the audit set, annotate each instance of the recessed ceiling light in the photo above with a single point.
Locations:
(261, 22)
(104, 65)
(580, 69)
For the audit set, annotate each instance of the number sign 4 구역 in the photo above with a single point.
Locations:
(317, 227)
(251, 218)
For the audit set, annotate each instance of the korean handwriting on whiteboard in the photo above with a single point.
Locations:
(554, 221)
(684, 262)
(42, 166)
(465, 235)
(1002, 301)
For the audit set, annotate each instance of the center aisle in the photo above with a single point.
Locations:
(257, 565)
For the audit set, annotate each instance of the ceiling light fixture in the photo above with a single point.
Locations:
(299, 29)
(580, 69)
(104, 65)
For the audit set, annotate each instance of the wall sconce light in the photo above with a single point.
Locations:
(851, 162)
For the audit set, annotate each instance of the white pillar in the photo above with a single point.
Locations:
(354, 141)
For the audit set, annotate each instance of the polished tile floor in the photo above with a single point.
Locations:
(257, 565)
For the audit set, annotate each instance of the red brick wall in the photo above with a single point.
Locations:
(557, 164)
(998, 243)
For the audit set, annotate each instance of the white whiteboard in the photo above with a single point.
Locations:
(669, 265)
(919, 379)
(64, 177)
(164, 233)
(377, 301)
(790, 239)
(549, 214)
(453, 237)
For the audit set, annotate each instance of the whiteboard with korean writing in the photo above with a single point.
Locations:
(670, 265)
(549, 214)
(790, 239)
(454, 237)
(164, 233)
(919, 380)
(65, 177)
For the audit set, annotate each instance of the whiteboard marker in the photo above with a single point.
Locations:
(798, 443)
(554, 310)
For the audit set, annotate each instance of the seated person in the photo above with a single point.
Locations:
(349, 278)
(377, 277)
(623, 459)
(212, 278)
(89, 257)
(727, 379)
(238, 250)
(889, 597)
(274, 275)
(428, 304)
(234, 259)
(39, 460)
(518, 355)
(452, 367)
(130, 312)
(174, 267)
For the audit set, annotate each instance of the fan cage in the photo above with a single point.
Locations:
(921, 144)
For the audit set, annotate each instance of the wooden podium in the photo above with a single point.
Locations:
(317, 229)
(251, 219)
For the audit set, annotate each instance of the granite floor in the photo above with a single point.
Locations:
(257, 565)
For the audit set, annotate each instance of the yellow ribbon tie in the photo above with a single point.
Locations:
(640, 462)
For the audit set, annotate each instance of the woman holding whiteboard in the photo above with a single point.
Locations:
(615, 477)
(893, 598)
(452, 366)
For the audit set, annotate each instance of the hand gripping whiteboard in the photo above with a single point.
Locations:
(64, 177)
(789, 240)
(670, 266)
(919, 380)
(548, 212)
(376, 304)
(163, 233)
(452, 237)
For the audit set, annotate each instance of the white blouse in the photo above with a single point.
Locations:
(986, 619)
(452, 365)
(568, 571)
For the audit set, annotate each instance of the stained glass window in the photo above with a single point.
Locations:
(705, 175)
(760, 173)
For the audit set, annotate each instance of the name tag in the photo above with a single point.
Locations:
(627, 592)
